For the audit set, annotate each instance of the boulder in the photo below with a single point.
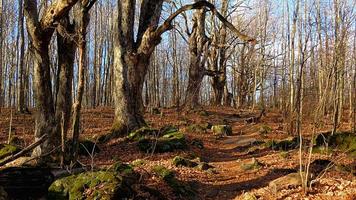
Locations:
(290, 180)
(142, 133)
(264, 129)
(222, 130)
(166, 143)
(251, 165)
(91, 185)
(342, 141)
(180, 161)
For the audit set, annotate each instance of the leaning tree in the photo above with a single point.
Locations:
(133, 51)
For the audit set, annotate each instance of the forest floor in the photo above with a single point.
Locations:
(228, 179)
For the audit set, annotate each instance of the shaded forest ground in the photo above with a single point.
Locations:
(227, 180)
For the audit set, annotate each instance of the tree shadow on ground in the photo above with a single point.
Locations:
(230, 191)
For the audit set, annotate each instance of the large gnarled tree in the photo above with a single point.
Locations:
(41, 32)
(132, 55)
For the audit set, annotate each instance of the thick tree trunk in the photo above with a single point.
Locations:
(129, 75)
(66, 55)
(45, 116)
(197, 46)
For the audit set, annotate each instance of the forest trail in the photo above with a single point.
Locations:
(240, 162)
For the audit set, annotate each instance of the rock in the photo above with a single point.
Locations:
(204, 166)
(248, 196)
(7, 150)
(166, 143)
(180, 161)
(264, 129)
(290, 180)
(253, 164)
(138, 162)
(203, 113)
(142, 133)
(91, 185)
(222, 130)
(198, 143)
(155, 111)
(196, 128)
(16, 141)
(343, 141)
(283, 145)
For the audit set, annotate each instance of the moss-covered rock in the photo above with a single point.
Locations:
(142, 133)
(264, 129)
(166, 143)
(290, 180)
(180, 188)
(203, 113)
(204, 166)
(248, 196)
(7, 150)
(222, 130)
(180, 161)
(122, 168)
(138, 162)
(155, 111)
(283, 145)
(196, 128)
(343, 141)
(90, 185)
(198, 143)
(251, 165)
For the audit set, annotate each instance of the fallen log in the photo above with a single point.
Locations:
(23, 152)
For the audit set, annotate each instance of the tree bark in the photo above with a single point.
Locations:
(40, 32)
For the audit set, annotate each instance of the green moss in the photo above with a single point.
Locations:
(7, 150)
(90, 185)
(342, 141)
(284, 154)
(203, 113)
(283, 145)
(198, 143)
(141, 133)
(222, 130)
(138, 162)
(163, 172)
(204, 166)
(264, 129)
(180, 161)
(252, 165)
(122, 168)
(166, 143)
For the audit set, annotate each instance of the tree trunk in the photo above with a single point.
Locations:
(197, 45)
(66, 55)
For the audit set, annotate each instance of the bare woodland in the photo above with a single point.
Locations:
(155, 99)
